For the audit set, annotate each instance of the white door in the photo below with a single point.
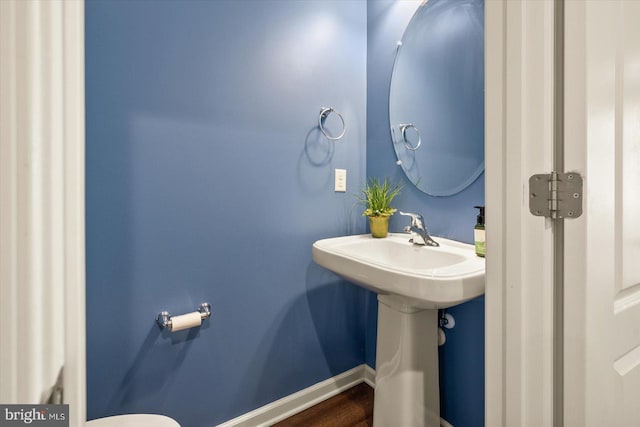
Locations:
(602, 247)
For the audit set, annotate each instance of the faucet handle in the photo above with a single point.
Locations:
(416, 219)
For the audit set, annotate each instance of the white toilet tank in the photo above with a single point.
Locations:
(134, 420)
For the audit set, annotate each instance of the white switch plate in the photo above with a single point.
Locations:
(341, 180)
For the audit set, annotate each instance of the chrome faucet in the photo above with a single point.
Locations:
(419, 233)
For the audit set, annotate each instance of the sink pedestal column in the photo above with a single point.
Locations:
(407, 384)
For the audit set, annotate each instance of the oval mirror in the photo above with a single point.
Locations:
(436, 100)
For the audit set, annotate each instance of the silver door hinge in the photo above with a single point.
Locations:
(556, 195)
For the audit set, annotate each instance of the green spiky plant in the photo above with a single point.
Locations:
(377, 197)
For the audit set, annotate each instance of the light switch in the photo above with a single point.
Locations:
(341, 180)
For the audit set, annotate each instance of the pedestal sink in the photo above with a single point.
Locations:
(412, 283)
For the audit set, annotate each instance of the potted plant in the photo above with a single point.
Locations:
(377, 197)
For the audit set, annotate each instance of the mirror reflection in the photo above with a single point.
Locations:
(436, 101)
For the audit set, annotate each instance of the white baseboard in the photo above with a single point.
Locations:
(304, 399)
(298, 402)
(369, 376)
(443, 423)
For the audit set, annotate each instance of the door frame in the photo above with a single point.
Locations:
(43, 119)
(519, 142)
(75, 378)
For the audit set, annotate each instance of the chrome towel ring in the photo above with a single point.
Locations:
(403, 131)
(324, 113)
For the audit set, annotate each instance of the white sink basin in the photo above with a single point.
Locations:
(421, 276)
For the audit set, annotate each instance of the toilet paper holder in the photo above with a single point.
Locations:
(164, 318)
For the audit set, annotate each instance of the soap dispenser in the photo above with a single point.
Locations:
(479, 233)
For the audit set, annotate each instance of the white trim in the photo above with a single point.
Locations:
(495, 22)
(75, 374)
(519, 280)
(369, 376)
(42, 201)
(8, 205)
(298, 402)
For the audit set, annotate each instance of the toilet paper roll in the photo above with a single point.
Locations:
(185, 321)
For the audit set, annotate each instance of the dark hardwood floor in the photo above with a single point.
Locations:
(351, 408)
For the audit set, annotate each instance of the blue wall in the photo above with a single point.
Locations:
(462, 357)
(208, 180)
